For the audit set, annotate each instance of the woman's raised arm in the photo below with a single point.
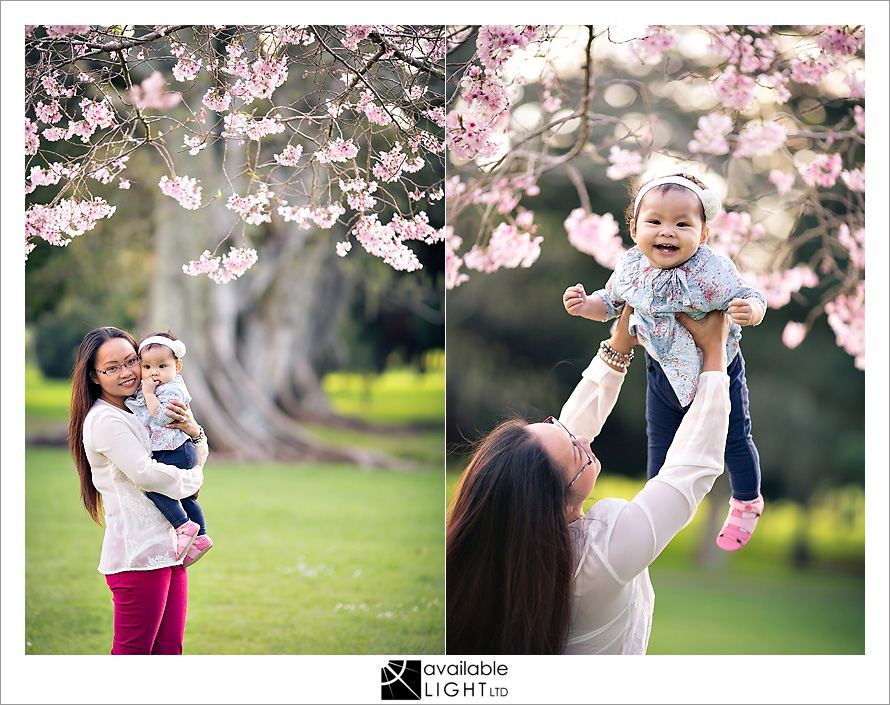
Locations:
(593, 399)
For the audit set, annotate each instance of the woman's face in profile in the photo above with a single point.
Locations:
(570, 456)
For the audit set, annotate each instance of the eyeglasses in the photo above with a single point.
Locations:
(575, 441)
(115, 369)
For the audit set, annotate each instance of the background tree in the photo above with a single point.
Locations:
(269, 142)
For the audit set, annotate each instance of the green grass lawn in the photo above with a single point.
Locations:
(307, 559)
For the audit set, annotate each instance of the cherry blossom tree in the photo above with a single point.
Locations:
(779, 133)
(102, 93)
(275, 150)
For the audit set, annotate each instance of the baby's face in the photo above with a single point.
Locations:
(159, 364)
(668, 228)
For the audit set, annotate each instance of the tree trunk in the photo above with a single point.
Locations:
(255, 344)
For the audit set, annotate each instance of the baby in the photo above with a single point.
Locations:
(161, 361)
(671, 270)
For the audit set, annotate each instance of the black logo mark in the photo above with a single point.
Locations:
(400, 680)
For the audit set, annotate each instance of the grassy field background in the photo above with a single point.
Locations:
(308, 559)
(325, 559)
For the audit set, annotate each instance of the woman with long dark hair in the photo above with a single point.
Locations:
(527, 572)
(113, 457)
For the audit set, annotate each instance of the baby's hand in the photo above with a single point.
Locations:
(149, 386)
(741, 311)
(575, 300)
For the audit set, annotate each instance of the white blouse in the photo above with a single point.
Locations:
(615, 542)
(137, 536)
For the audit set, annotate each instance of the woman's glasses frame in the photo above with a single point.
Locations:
(554, 420)
(117, 369)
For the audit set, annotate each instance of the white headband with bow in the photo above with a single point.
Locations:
(177, 346)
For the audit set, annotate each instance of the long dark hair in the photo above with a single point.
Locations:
(508, 550)
(84, 392)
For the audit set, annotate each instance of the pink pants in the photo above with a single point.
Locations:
(149, 610)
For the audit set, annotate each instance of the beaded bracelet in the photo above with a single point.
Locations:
(609, 354)
(200, 437)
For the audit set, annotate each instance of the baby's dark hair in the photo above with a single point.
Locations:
(630, 214)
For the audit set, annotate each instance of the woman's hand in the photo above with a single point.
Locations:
(183, 419)
(710, 335)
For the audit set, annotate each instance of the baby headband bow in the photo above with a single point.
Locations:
(709, 199)
(177, 346)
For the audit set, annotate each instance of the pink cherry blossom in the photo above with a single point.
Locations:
(44, 177)
(782, 180)
(859, 118)
(253, 208)
(32, 141)
(508, 247)
(846, 316)
(290, 155)
(760, 140)
(265, 76)
(495, 44)
(337, 151)
(835, 40)
(595, 235)
(624, 163)
(356, 33)
(222, 269)
(823, 171)
(298, 34)
(217, 100)
(750, 55)
(48, 113)
(149, 94)
(56, 31)
(856, 83)
(778, 81)
(98, 114)
(730, 231)
(195, 143)
(855, 244)
(777, 287)
(453, 276)
(710, 137)
(54, 134)
(68, 219)
(185, 190)
(384, 242)
(811, 69)
(468, 136)
(651, 48)
(793, 334)
(187, 68)
(244, 125)
(735, 90)
(855, 179)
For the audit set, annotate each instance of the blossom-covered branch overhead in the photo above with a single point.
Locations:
(774, 117)
(324, 117)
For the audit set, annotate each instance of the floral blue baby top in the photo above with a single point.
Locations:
(161, 437)
(705, 282)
